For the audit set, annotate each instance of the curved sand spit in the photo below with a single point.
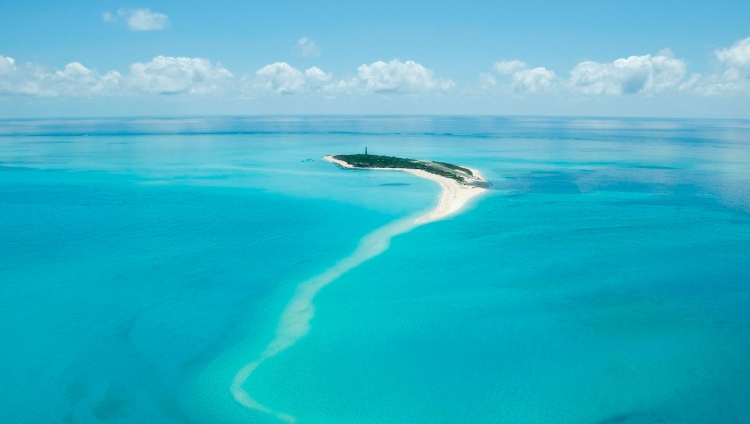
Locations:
(294, 322)
(452, 199)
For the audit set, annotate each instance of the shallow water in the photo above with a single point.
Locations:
(603, 279)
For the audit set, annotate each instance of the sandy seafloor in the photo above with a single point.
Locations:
(604, 278)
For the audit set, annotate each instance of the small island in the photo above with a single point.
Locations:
(459, 183)
(460, 174)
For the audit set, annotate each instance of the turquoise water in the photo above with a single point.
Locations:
(603, 279)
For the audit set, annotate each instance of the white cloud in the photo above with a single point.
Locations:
(509, 67)
(13, 81)
(77, 80)
(138, 19)
(522, 79)
(487, 81)
(282, 78)
(655, 74)
(735, 76)
(636, 74)
(379, 77)
(737, 57)
(316, 78)
(146, 20)
(7, 65)
(308, 48)
(184, 76)
(721, 84)
(73, 80)
(535, 80)
(179, 75)
(162, 75)
(397, 77)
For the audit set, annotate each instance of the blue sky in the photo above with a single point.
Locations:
(617, 58)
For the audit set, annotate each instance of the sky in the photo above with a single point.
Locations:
(227, 57)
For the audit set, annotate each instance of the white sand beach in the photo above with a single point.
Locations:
(453, 197)
(294, 322)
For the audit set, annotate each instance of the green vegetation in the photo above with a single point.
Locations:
(375, 161)
(456, 167)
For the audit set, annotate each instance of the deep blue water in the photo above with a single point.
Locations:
(605, 278)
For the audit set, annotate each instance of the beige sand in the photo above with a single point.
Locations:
(454, 196)
(294, 322)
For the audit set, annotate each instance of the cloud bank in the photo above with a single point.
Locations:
(384, 78)
(184, 76)
(161, 76)
(645, 75)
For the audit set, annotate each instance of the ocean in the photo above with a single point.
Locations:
(146, 262)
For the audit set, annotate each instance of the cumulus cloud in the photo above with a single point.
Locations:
(138, 19)
(635, 74)
(308, 48)
(393, 77)
(487, 81)
(73, 80)
(734, 77)
(7, 65)
(15, 81)
(282, 78)
(535, 80)
(516, 77)
(736, 57)
(179, 75)
(316, 78)
(161, 76)
(509, 67)
(397, 77)
(649, 74)
(185, 76)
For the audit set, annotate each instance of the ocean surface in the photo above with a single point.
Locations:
(146, 262)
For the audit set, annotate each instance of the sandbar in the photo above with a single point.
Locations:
(453, 197)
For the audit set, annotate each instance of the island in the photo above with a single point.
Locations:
(459, 183)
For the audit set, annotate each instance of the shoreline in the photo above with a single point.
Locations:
(295, 319)
(454, 195)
